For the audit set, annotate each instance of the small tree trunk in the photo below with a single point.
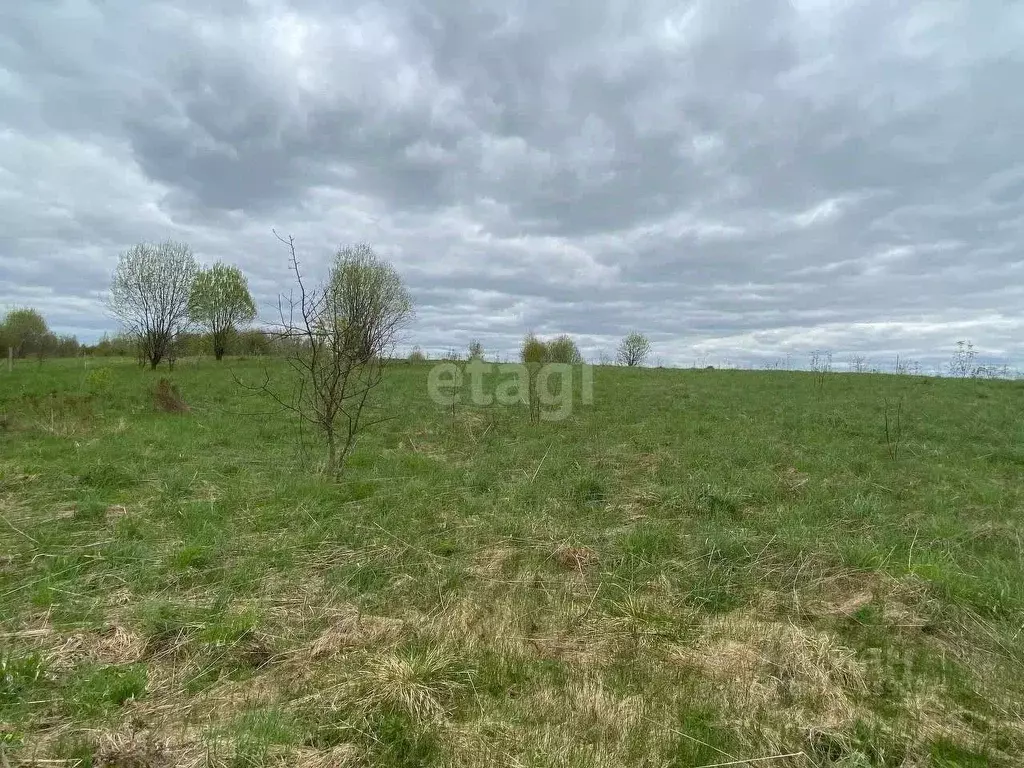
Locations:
(332, 453)
(533, 369)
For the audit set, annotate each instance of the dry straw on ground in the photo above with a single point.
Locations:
(167, 398)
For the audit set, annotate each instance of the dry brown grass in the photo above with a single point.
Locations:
(493, 561)
(776, 669)
(576, 558)
(65, 650)
(635, 502)
(419, 683)
(903, 602)
(614, 715)
(342, 756)
(115, 512)
(146, 748)
(777, 676)
(167, 398)
(140, 749)
(115, 646)
(354, 630)
(765, 677)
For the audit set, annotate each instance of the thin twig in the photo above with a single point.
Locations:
(537, 472)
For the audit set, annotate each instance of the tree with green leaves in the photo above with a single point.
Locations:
(633, 349)
(25, 332)
(66, 346)
(534, 353)
(150, 295)
(563, 349)
(220, 302)
(533, 350)
(340, 336)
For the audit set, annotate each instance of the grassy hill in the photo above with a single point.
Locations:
(699, 568)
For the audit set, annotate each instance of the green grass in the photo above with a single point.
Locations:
(700, 567)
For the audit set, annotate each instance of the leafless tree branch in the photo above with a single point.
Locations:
(337, 339)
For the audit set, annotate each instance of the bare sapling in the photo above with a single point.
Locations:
(338, 338)
(533, 354)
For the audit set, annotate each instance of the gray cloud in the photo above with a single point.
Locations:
(739, 180)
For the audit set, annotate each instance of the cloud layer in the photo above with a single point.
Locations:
(740, 180)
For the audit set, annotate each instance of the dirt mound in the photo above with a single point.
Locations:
(167, 398)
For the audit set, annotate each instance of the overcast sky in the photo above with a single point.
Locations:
(738, 179)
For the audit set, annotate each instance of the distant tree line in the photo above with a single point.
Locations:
(27, 334)
(250, 342)
(24, 331)
(170, 306)
(633, 350)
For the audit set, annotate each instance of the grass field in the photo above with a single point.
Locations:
(700, 568)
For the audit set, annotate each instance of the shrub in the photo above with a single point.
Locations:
(964, 362)
(417, 356)
(254, 342)
(563, 350)
(120, 345)
(25, 332)
(98, 380)
(633, 349)
(343, 334)
(533, 350)
(533, 353)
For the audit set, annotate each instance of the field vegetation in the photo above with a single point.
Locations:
(702, 567)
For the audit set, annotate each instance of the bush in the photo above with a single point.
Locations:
(253, 343)
(190, 345)
(97, 381)
(417, 356)
(67, 346)
(120, 345)
(25, 332)
(533, 353)
(533, 350)
(633, 350)
(563, 350)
